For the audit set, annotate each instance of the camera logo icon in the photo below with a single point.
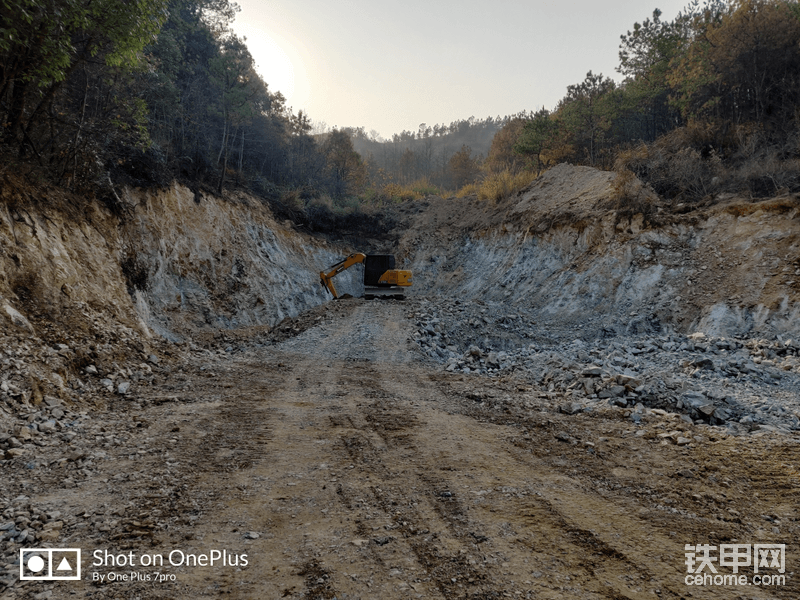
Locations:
(49, 564)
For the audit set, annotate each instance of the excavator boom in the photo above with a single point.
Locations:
(326, 277)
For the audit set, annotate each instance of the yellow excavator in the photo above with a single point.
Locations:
(381, 279)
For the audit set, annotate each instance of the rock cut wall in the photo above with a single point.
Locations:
(211, 263)
(561, 250)
(176, 263)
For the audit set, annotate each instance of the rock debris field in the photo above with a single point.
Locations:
(744, 385)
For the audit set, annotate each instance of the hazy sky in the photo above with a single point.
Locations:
(391, 66)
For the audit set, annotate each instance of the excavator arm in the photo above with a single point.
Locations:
(326, 277)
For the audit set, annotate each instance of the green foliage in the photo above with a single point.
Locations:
(587, 112)
(42, 43)
(703, 95)
(742, 65)
(142, 91)
(100, 94)
(538, 136)
(345, 171)
(503, 154)
(426, 153)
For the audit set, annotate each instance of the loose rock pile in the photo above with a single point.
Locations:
(744, 384)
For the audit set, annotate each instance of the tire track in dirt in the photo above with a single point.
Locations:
(600, 536)
(384, 417)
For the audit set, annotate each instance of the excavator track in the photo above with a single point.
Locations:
(370, 293)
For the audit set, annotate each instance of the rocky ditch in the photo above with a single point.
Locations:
(742, 384)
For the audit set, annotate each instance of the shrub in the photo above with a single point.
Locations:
(424, 187)
(765, 174)
(398, 193)
(631, 196)
(674, 167)
(471, 189)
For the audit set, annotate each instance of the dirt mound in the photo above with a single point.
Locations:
(566, 189)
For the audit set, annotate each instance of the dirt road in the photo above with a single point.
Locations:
(343, 467)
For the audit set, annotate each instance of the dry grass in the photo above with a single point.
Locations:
(778, 205)
(394, 193)
(497, 186)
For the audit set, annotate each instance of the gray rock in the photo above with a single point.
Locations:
(632, 382)
(614, 391)
(564, 437)
(693, 399)
(17, 318)
(703, 363)
(51, 401)
(123, 387)
(48, 426)
(592, 371)
(570, 408)
(707, 409)
(721, 414)
(91, 370)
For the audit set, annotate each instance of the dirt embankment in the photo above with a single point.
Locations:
(178, 262)
(169, 262)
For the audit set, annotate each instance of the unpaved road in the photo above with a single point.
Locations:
(367, 474)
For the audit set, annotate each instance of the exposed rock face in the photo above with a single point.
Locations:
(558, 248)
(170, 266)
(222, 264)
(61, 262)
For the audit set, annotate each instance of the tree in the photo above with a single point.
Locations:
(646, 55)
(463, 167)
(743, 64)
(585, 115)
(408, 165)
(502, 153)
(238, 87)
(43, 42)
(345, 170)
(538, 136)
